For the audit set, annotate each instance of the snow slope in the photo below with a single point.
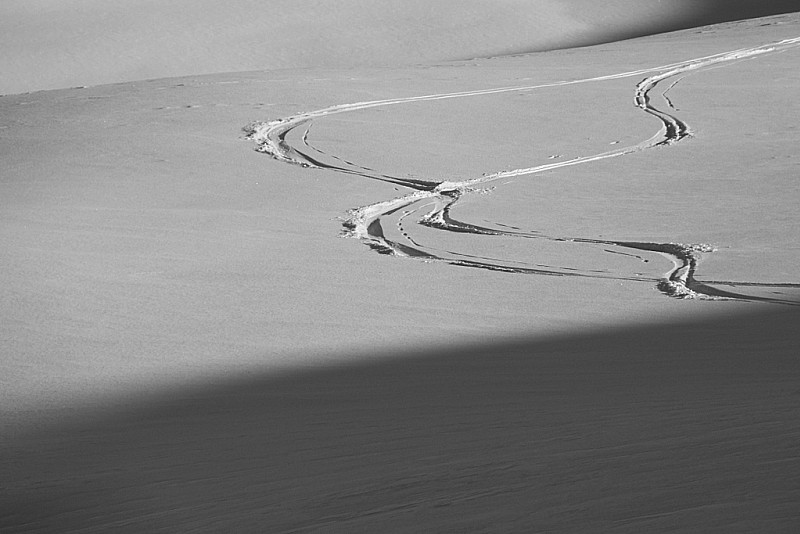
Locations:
(49, 44)
(187, 343)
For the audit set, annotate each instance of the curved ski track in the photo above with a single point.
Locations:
(366, 223)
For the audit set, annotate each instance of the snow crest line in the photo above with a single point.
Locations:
(365, 223)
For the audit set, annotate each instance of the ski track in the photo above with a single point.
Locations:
(367, 222)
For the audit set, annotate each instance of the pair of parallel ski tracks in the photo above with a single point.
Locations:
(367, 223)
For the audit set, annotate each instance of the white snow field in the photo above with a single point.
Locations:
(52, 44)
(399, 266)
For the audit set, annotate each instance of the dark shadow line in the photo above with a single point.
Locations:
(675, 426)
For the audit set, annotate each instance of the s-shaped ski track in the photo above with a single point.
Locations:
(365, 223)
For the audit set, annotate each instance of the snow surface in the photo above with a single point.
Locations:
(50, 44)
(188, 343)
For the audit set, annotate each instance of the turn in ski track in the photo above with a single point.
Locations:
(369, 223)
